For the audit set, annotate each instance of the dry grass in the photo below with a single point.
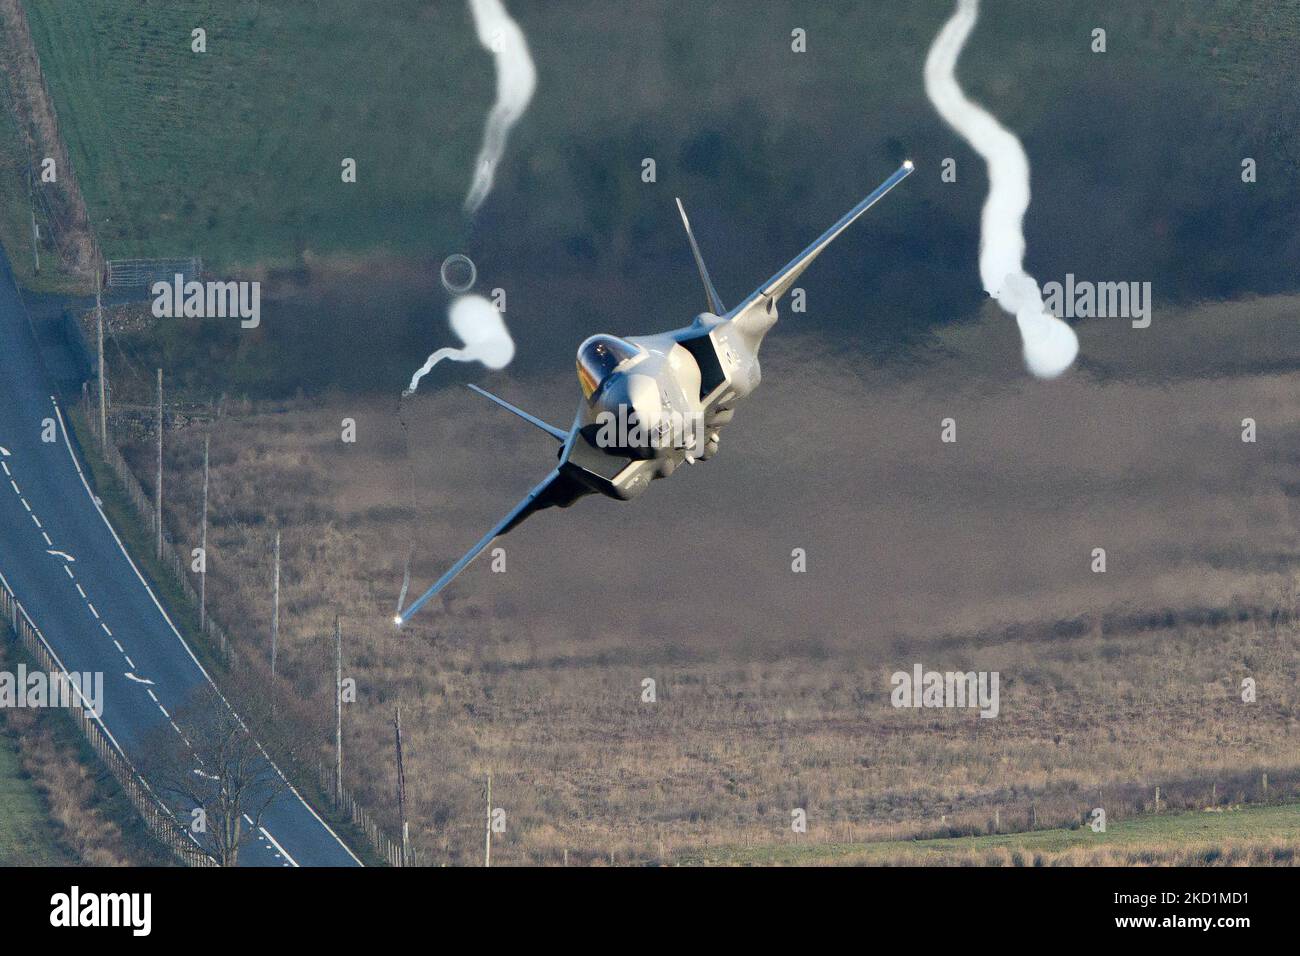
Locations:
(71, 788)
(773, 688)
(738, 736)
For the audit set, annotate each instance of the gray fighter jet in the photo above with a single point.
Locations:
(651, 402)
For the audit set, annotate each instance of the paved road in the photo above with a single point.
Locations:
(82, 591)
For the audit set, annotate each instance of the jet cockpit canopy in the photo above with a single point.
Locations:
(598, 357)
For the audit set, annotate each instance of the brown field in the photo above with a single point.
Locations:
(773, 687)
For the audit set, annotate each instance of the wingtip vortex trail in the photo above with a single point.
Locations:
(1049, 344)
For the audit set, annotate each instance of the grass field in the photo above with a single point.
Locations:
(773, 687)
(235, 154)
(27, 837)
(1249, 835)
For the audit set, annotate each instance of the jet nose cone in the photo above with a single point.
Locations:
(635, 396)
(631, 413)
(643, 395)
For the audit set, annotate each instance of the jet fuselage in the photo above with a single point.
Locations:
(663, 405)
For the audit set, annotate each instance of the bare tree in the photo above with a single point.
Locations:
(213, 775)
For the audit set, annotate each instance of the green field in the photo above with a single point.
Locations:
(27, 837)
(1182, 838)
(234, 154)
(16, 206)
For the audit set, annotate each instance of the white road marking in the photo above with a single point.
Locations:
(264, 833)
(46, 536)
(105, 627)
(15, 485)
(130, 663)
(81, 592)
(34, 518)
(152, 697)
(281, 851)
(62, 554)
(67, 570)
(98, 718)
(164, 712)
(4, 451)
(92, 610)
(26, 505)
(138, 680)
(119, 647)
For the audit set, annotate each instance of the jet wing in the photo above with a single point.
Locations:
(555, 489)
(779, 284)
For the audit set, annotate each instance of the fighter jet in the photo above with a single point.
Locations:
(653, 402)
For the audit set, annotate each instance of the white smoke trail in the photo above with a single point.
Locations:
(406, 579)
(480, 327)
(1050, 345)
(516, 80)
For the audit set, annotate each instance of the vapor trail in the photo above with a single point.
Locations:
(484, 334)
(406, 579)
(516, 80)
(1050, 345)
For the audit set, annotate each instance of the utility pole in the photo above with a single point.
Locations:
(203, 543)
(157, 518)
(99, 323)
(487, 842)
(338, 713)
(401, 785)
(275, 608)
